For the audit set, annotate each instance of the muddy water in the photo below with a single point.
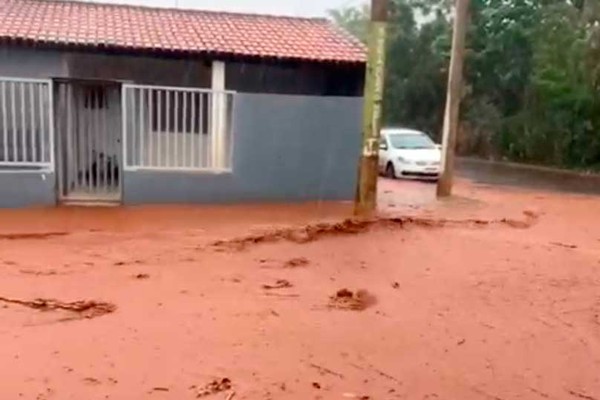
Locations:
(458, 311)
(64, 220)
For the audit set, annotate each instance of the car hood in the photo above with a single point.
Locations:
(429, 155)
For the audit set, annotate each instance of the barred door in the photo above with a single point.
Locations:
(88, 121)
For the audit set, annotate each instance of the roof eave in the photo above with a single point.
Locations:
(134, 50)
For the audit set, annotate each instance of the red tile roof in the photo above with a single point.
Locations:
(134, 28)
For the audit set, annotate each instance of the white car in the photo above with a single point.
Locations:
(408, 153)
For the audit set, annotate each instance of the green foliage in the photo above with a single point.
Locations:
(558, 123)
(532, 75)
(417, 69)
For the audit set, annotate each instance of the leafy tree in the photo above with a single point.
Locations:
(565, 101)
(532, 75)
(416, 67)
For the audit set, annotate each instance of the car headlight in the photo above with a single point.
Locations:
(404, 160)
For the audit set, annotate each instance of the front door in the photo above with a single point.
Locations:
(88, 141)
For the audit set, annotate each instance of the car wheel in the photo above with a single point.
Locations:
(390, 172)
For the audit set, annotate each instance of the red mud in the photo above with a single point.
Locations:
(345, 299)
(214, 387)
(459, 303)
(82, 308)
(351, 226)
(279, 284)
(32, 235)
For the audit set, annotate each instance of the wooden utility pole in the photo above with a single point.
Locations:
(453, 97)
(366, 193)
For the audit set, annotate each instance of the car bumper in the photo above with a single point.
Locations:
(418, 171)
(421, 175)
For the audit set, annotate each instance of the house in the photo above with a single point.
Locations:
(130, 105)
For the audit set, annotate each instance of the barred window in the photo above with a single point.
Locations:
(177, 128)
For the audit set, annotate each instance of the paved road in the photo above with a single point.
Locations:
(490, 173)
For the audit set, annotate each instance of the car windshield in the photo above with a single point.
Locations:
(411, 141)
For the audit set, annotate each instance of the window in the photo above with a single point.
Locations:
(172, 128)
(25, 124)
(178, 111)
(411, 141)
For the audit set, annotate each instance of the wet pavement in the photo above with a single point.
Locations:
(482, 172)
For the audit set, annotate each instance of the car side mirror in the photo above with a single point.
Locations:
(438, 146)
(383, 146)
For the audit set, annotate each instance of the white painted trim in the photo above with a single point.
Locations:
(26, 171)
(25, 164)
(216, 171)
(24, 80)
(176, 88)
(218, 76)
(45, 165)
(124, 161)
(51, 123)
(216, 138)
(219, 102)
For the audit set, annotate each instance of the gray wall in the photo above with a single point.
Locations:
(140, 69)
(25, 62)
(286, 77)
(27, 189)
(19, 62)
(266, 76)
(286, 148)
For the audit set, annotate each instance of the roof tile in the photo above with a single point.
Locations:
(143, 28)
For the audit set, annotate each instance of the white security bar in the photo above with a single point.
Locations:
(174, 128)
(26, 124)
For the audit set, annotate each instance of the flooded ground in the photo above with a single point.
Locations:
(528, 177)
(494, 294)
